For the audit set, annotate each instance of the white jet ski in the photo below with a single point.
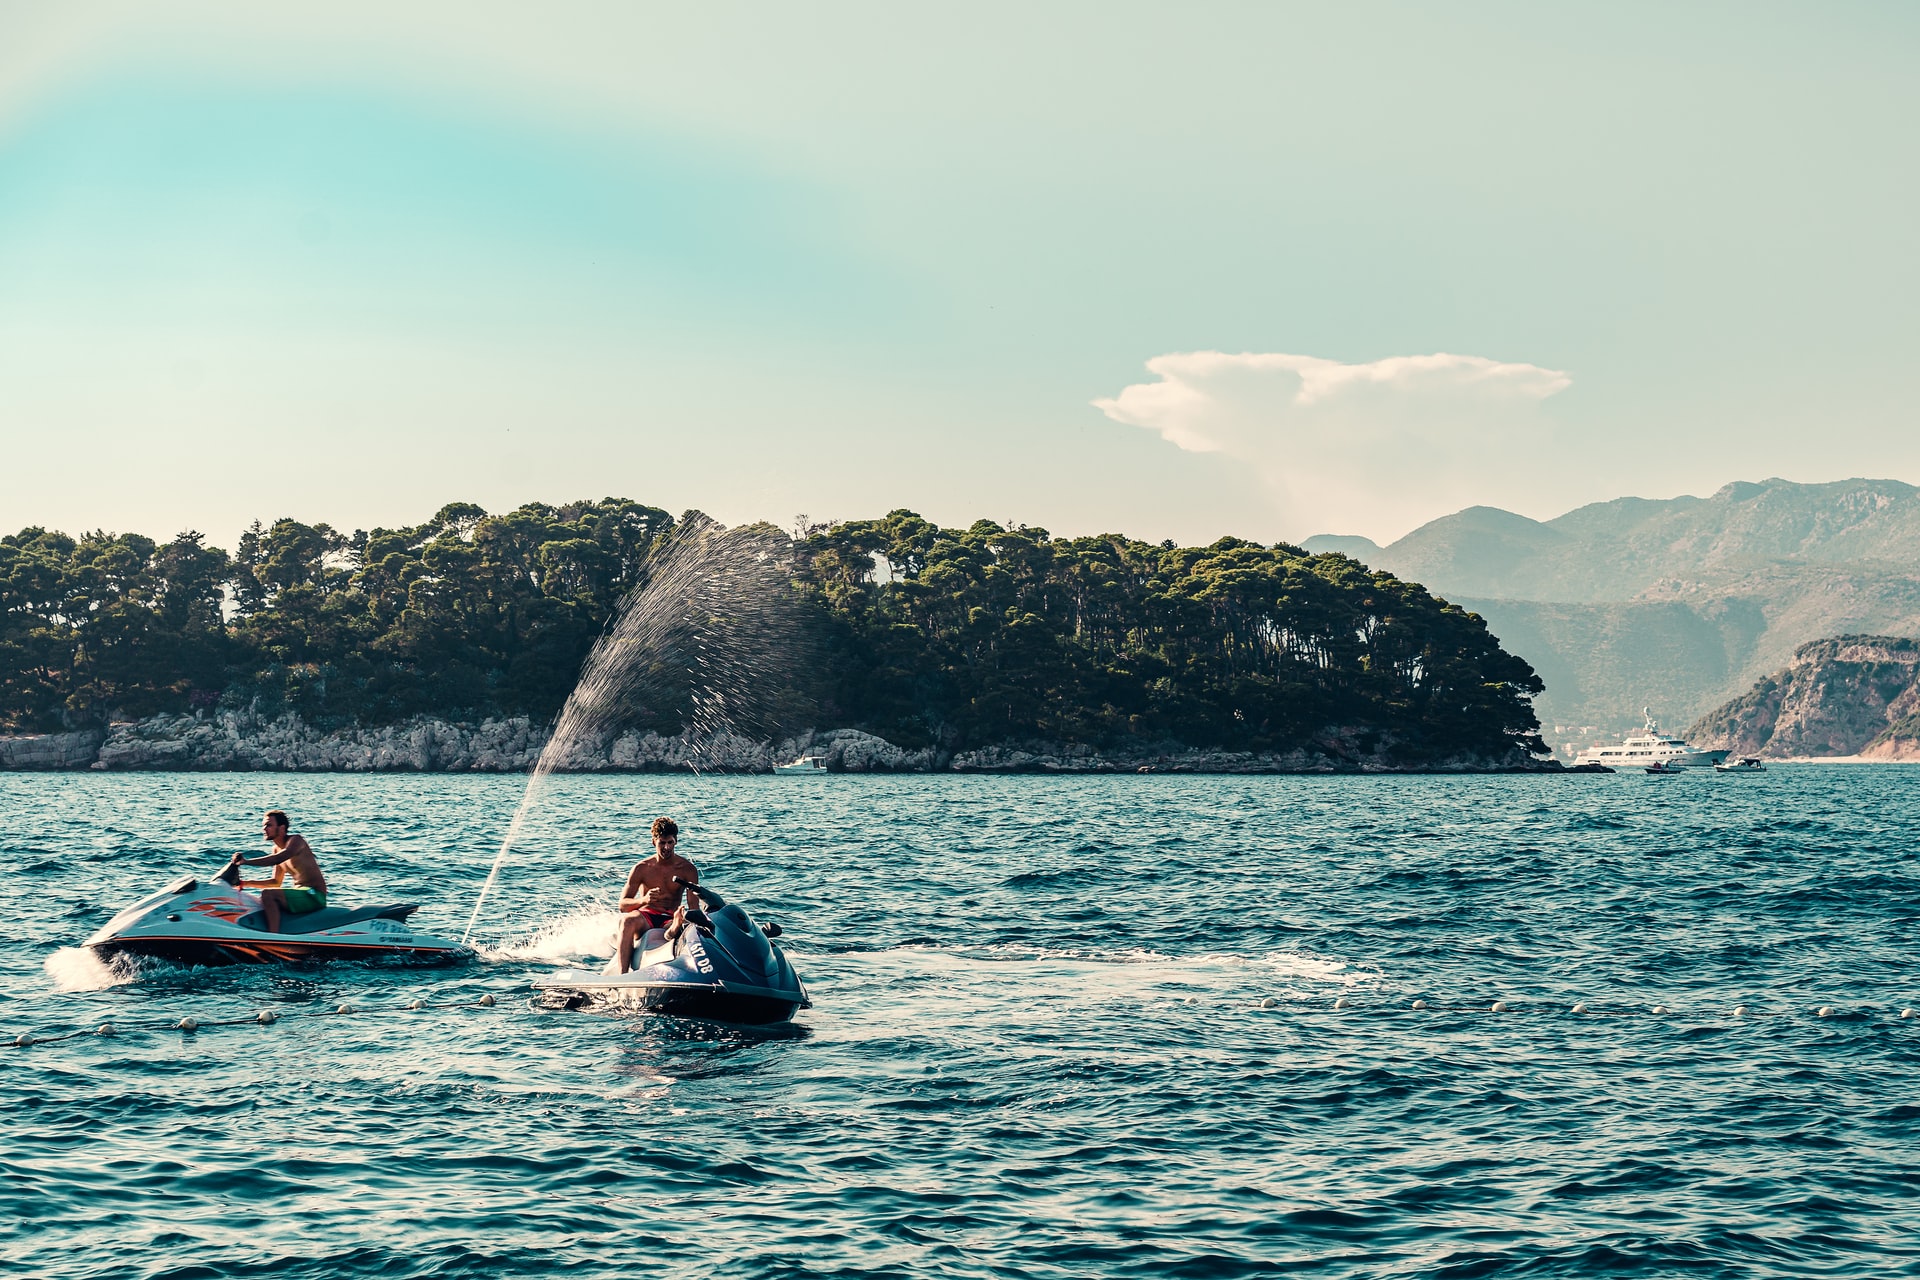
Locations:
(722, 968)
(221, 923)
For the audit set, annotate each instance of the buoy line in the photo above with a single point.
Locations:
(264, 1017)
(1343, 1004)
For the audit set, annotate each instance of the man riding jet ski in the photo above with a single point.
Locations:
(713, 964)
(221, 922)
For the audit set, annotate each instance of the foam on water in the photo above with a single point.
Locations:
(80, 969)
(588, 932)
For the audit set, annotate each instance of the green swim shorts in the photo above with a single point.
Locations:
(302, 900)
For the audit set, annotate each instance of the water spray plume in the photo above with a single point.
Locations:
(709, 631)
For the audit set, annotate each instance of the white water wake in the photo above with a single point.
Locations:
(588, 933)
(79, 969)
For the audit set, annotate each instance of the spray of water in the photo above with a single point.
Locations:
(708, 634)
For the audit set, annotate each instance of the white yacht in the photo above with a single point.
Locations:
(806, 764)
(1650, 747)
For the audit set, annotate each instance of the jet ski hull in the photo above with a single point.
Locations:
(215, 924)
(209, 952)
(709, 1002)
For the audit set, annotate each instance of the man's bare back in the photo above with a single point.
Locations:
(291, 853)
(302, 865)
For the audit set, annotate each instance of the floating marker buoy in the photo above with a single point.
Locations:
(1906, 1013)
(22, 1040)
(1660, 1009)
(345, 1008)
(186, 1024)
(486, 1002)
(266, 1016)
(1739, 1011)
(1419, 1004)
(1269, 1003)
(416, 1004)
(1499, 1006)
(1341, 1003)
(1581, 1007)
(1824, 1011)
(104, 1029)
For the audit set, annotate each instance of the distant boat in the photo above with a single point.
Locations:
(1745, 764)
(1666, 766)
(805, 764)
(1650, 747)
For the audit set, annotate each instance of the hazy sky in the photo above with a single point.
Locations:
(1172, 270)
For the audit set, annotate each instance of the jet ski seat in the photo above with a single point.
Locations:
(328, 917)
(654, 948)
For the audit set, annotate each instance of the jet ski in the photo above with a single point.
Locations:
(722, 968)
(221, 923)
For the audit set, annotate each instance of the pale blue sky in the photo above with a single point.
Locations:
(348, 264)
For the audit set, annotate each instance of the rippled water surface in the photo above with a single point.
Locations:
(1062, 1027)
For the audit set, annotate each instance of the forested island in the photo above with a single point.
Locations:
(939, 641)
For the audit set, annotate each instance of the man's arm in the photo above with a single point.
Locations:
(627, 900)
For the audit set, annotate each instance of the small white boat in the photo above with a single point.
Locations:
(1745, 764)
(1664, 767)
(805, 764)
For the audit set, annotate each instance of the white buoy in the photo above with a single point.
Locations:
(104, 1029)
(1341, 1003)
(1739, 1011)
(1419, 1004)
(486, 1002)
(1499, 1006)
(1824, 1011)
(266, 1016)
(22, 1040)
(186, 1024)
(1270, 1003)
(1581, 1007)
(1906, 1013)
(416, 1004)
(345, 1008)
(1661, 1010)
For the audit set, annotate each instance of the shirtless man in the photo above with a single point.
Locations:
(652, 898)
(291, 852)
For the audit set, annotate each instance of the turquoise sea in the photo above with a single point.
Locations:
(1062, 1028)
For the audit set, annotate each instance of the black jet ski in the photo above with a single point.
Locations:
(220, 923)
(722, 968)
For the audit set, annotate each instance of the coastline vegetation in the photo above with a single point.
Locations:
(963, 637)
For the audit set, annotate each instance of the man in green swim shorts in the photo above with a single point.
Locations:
(291, 852)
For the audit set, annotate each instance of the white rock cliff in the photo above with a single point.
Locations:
(239, 740)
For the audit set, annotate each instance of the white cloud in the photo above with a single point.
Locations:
(1372, 448)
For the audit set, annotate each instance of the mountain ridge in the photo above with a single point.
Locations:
(1680, 602)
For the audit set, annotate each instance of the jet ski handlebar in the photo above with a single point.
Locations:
(712, 900)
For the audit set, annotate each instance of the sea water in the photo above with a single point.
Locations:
(1062, 1027)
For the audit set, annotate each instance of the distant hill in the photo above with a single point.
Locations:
(1851, 695)
(1677, 603)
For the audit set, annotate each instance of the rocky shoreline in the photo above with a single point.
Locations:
(1849, 696)
(241, 741)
